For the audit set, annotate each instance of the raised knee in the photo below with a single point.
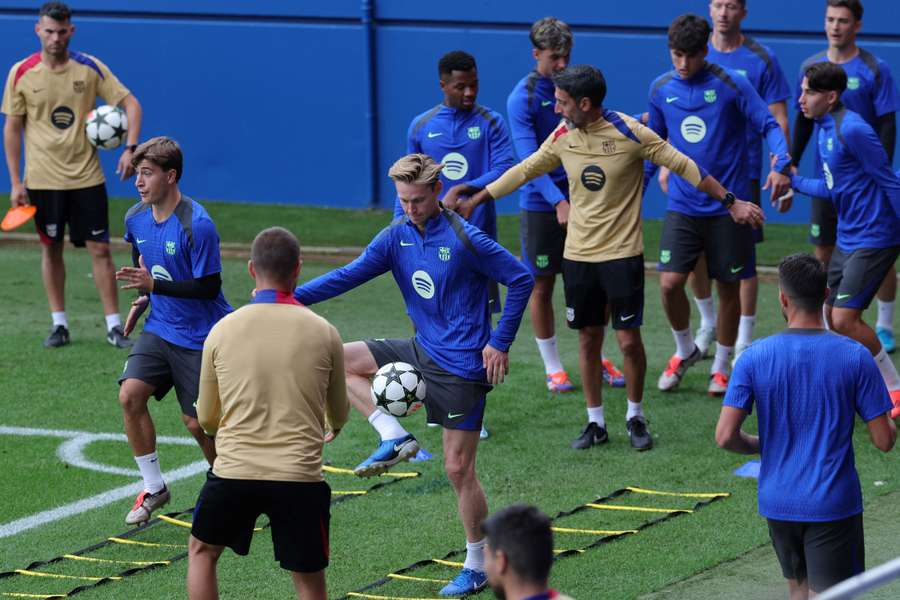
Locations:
(842, 322)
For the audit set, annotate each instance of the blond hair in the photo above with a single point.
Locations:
(417, 169)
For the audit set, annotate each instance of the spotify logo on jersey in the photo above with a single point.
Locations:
(62, 117)
(455, 166)
(693, 129)
(593, 178)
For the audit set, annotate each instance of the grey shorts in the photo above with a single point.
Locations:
(450, 400)
(156, 362)
(854, 278)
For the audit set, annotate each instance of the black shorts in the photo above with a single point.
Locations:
(592, 287)
(159, 363)
(543, 240)
(822, 222)
(727, 245)
(854, 278)
(756, 198)
(86, 210)
(823, 554)
(298, 511)
(450, 400)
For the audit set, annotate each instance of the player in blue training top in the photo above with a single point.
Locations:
(442, 265)
(872, 93)
(858, 180)
(705, 111)
(732, 49)
(177, 270)
(808, 385)
(544, 201)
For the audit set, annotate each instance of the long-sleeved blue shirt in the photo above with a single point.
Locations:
(443, 277)
(532, 119)
(858, 178)
(706, 117)
(759, 65)
(473, 145)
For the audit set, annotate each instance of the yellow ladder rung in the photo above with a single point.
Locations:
(177, 522)
(593, 531)
(638, 490)
(342, 471)
(374, 597)
(560, 550)
(446, 563)
(411, 578)
(60, 576)
(24, 595)
(119, 540)
(637, 508)
(349, 492)
(118, 562)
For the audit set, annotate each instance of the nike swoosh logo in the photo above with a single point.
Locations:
(97, 231)
(671, 99)
(431, 134)
(628, 318)
(140, 241)
(402, 243)
(546, 102)
(454, 415)
(398, 447)
(737, 269)
(842, 296)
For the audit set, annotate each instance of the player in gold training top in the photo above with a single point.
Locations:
(602, 152)
(47, 97)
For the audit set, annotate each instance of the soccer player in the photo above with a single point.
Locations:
(808, 385)
(442, 266)
(544, 202)
(271, 381)
(705, 111)
(519, 554)
(858, 180)
(177, 270)
(732, 49)
(47, 97)
(872, 93)
(602, 152)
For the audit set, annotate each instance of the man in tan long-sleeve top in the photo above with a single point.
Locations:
(602, 152)
(271, 383)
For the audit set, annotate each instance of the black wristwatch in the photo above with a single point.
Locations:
(131, 147)
(728, 200)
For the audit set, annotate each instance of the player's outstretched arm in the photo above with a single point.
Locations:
(374, 261)
(134, 112)
(745, 213)
(12, 145)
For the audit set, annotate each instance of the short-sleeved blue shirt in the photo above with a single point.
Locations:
(808, 385)
(183, 247)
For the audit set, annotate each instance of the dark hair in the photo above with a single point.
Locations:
(523, 533)
(826, 77)
(56, 11)
(582, 81)
(803, 278)
(854, 6)
(162, 151)
(457, 60)
(689, 34)
(550, 33)
(275, 253)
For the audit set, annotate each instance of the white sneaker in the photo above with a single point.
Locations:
(738, 350)
(675, 369)
(145, 504)
(704, 338)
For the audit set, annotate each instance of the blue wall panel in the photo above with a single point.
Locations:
(268, 97)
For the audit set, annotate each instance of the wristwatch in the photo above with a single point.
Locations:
(728, 200)
(131, 147)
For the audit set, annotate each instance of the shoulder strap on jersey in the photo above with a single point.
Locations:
(530, 84)
(720, 73)
(662, 81)
(817, 57)
(755, 47)
(459, 229)
(491, 119)
(425, 118)
(184, 210)
(871, 62)
(139, 207)
(838, 114)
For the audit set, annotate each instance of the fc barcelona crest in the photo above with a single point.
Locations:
(709, 96)
(474, 132)
(444, 253)
(608, 146)
(78, 86)
(170, 247)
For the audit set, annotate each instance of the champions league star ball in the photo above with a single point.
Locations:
(398, 389)
(106, 127)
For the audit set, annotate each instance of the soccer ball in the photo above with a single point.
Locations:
(106, 127)
(398, 389)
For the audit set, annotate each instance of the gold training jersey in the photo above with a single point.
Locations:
(55, 103)
(604, 165)
(271, 377)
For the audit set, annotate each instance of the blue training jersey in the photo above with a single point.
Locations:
(859, 180)
(183, 247)
(808, 386)
(759, 65)
(473, 145)
(707, 118)
(532, 119)
(443, 277)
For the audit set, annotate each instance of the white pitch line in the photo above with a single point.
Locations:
(71, 452)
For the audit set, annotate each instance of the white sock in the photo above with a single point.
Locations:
(595, 415)
(684, 342)
(745, 330)
(113, 320)
(388, 427)
(549, 354)
(888, 371)
(707, 309)
(150, 471)
(722, 361)
(59, 318)
(634, 410)
(475, 555)
(885, 315)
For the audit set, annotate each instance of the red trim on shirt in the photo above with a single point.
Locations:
(559, 132)
(286, 298)
(28, 63)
